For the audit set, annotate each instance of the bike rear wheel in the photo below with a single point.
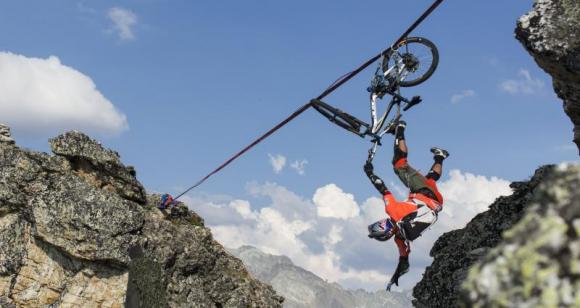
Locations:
(420, 57)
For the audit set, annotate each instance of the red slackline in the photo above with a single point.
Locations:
(338, 83)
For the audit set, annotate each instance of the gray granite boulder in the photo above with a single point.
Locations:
(551, 34)
(77, 229)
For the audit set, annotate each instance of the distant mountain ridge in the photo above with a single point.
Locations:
(302, 288)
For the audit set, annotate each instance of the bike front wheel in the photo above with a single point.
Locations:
(419, 58)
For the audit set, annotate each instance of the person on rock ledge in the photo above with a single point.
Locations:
(407, 219)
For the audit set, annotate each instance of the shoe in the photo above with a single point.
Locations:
(439, 152)
(393, 126)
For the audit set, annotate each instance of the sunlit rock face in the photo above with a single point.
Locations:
(523, 252)
(77, 229)
(5, 136)
(551, 34)
(537, 263)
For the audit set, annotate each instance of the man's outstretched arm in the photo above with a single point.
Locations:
(375, 180)
(402, 269)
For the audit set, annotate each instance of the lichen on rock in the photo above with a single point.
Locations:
(456, 251)
(70, 225)
(5, 136)
(100, 166)
(536, 265)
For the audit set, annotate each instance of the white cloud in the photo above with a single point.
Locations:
(123, 22)
(373, 209)
(525, 84)
(461, 96)
(332, 202)
(334, 245)
(279, 229)
(299, 166)
(278, 162)
(465, 195)
(43, 96)
(243, 208)
(334, 236)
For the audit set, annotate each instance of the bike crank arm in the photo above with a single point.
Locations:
(414, 101)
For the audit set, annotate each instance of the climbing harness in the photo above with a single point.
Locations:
(407, 59)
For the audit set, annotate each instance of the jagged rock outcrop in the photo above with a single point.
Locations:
(456, 251)
(551, 34)
(537, 264)
(524, 251)
(78, 230)
(5, 136)
(303, 289)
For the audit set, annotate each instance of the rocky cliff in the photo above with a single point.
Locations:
(78, 230)
(537, 263)
(524, 251)
(456, 251)
(303, 289)
(551, 34)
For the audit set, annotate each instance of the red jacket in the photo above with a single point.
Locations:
(397, 210)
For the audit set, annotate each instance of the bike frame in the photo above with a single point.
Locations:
(399, 71)
(377, 123)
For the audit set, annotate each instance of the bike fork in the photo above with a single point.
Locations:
(374, 122)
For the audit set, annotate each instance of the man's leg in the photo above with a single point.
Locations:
(439, 156)
(409, 176)
(400, 146)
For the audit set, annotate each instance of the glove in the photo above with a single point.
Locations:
(402, 268)
(394, 281)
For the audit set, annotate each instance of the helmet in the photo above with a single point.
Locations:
(382, 230)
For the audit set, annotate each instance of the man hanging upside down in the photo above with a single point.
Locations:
(407, 219)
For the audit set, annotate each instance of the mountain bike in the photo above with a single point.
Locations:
(407, 64)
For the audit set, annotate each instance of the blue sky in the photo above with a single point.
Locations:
(198, 80)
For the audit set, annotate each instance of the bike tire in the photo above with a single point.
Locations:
(434, 54)
(340, 118)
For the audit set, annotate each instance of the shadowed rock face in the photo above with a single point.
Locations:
(523, 252)
(456, 251)
(78, 229)
(551, 34)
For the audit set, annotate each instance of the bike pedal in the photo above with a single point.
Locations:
(414, 101)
